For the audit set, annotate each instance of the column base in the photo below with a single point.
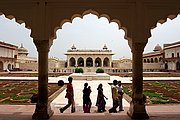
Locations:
(137, 111)
(42, 112)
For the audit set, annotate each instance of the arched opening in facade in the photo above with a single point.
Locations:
(98, 62)
(72, 62)
(148, 61)
(96, 24)
(165, 40)
(160, 59)
(156, 60)
(1, 65)
(90, 16)
(89, 62)
(65, 64)
(166, 66)
(106, 62)
(178, 65)
(152, 60)
(144, 60)
(80, 62)
(16, 35)
(9, 67)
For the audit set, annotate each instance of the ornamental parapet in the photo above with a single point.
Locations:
(89, 50)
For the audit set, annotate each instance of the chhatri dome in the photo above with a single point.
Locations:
(157, 48)
(22, 50)
(73, 47)
(105, 47)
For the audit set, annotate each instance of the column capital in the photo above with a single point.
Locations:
(138, 46)
(42, 45)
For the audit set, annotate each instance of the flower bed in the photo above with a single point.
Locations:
(20, 92)
(159, 92)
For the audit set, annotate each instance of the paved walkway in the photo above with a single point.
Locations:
(24, 112)
(78, 87)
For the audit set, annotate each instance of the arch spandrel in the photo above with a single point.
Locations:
(22, 11)
(158, 11)
(45, 17)
(119, 12)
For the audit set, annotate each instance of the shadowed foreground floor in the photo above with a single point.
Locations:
(24, 112)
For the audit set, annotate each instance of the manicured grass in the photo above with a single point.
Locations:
(178, 82)
(22, 97)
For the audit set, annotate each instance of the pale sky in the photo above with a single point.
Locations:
(88, 33)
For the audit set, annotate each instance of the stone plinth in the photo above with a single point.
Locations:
(90, 76)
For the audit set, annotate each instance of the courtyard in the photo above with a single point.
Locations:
(25, 109)
(20, 92)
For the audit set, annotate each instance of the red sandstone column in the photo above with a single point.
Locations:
(137, 106)
(43, 110)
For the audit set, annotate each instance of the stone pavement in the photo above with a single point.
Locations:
(24, 112)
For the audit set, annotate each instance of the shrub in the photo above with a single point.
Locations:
(79, 70)
(99, 70)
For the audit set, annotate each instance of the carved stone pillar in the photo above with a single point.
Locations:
(43, 109)
(137, 106)
(68, 62)
(102, 62)
(93, 62)
(85, 61)
(76, 62)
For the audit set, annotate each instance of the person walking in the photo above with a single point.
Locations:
(86, 98)
(120, 96)
(90, 103)
(114, 90)
(100, 103)
(69, 96)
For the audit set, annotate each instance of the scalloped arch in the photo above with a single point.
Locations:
(95, 13)
(164, 19)
(19, 21)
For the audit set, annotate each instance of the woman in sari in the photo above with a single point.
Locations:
(100, 103)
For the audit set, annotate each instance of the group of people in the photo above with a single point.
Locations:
(117, 95)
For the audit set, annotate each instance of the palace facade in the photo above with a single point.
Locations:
(171, 56)
(14, 58)
(166, 59)
(8, 56)
(160, 59)
(153, 61)
(89, 58)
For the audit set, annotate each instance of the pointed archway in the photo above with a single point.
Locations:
(80, 62)
(178, 65)
(1, 65)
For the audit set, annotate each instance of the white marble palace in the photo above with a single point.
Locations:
(89, 58)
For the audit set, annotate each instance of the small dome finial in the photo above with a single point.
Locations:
(73, 47)
(21, 45)
(105, 47)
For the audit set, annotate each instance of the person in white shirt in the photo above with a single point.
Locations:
(120, 95)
